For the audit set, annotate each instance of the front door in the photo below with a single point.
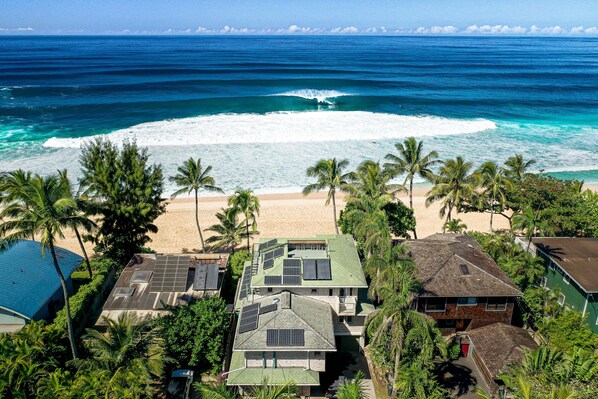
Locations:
(465, 349)
(459, 324)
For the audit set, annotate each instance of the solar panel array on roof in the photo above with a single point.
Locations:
(199, 280)
(278, 252)
(245, 283)
(273, 280)
(291, 280)
(309, 269)
(212, 278)
(291, 262)
(291, 268)
(267, 244)
(268, 255)
(285, 337)
(268, 263)
(323, 269)
(141, 276)
(170, 274)
(249, 318)
(268, 308)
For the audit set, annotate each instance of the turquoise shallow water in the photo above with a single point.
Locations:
(262, 109)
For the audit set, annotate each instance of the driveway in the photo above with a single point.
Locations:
(461, 376)
(345, 364)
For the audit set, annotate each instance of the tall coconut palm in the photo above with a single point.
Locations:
(245, 202)
(126, 340)
(84, 208)
(192, 177)
(496, 186)
(411, 162)
(287, 390)
(330, 175)
(229, 232)
(531, 222)
(43, 207)
(372, 223)
(453, 185)
(517, 167)
(370, 180)
(386, 270)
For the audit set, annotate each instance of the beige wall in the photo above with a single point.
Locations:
(308, 360)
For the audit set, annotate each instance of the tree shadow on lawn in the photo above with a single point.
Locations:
(456, 378)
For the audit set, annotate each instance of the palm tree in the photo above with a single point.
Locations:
(372, 223)
(330, 176)
(454, 226)
(84, 208)
(229, 232)
(126, 340)
(355, 389)
(370, 180)
(517, 167)
(531, 222)
(192, 177)
(287, 390)
(411, 162)
(386, 270)
(43, 207)
(215, 391)
(453, 186)
(496, 186)
(249, 205)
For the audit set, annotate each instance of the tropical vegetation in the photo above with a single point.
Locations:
(245, 203)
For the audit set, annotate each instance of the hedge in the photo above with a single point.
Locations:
(83, 300)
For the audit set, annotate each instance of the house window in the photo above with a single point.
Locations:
(551, 265)
(435, 304)
(269, 289)
(263, 360)
(567, 279)
(341, 319)
(496, 304)
(330, 292)
(543, 282)
(467, 301)
(274, 359)
(351, 291)
(597, 321)
(349, 319)
(561, 299)
(314, 290)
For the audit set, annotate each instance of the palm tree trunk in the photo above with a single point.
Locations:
(492, 213)
(203, 246)
(334, 211)
(411, 203)
(67, 306)
(247, 232)
(84, 251)
(396, 371)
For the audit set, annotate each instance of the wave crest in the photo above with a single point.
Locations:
(322, 96)
(284, 127)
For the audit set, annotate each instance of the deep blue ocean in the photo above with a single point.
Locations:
(262, 109)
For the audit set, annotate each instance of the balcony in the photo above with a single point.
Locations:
(347, 306)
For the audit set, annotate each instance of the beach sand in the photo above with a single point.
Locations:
(284, 215)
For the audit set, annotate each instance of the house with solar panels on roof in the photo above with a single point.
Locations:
(151, 281)
(29, 285)
(297, 300)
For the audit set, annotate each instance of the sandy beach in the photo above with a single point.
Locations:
(284, 215)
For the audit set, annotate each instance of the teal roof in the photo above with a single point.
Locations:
(346, 269)
(28, 280)
(246, 376)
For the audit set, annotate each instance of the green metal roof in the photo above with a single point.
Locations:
(346, 270)
(255, 375)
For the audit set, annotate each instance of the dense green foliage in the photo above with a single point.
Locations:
(244, 202)
(569, 330)
(194, 335)
(127, 191)
(234, 271)
(229, 231)
(353, 389)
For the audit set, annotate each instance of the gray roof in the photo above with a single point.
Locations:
(500, 345)
(441, 260)
(577, 256)
(293, 312)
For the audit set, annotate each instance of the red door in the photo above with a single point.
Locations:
(465, 349)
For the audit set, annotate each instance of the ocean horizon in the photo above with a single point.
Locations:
(261, 109)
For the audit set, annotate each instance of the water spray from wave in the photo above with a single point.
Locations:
(321, 96)
(284, 127)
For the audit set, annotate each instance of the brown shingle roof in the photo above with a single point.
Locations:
(452, 265)
(500, 345)
(577, 256)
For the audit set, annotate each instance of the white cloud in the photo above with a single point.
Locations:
(591, 31)
(16, 29)
(347, 29)
(495, 30)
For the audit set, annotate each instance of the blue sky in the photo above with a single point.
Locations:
(466, 17)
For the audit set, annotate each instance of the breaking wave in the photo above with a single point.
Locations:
(284, 127)
(321, 96)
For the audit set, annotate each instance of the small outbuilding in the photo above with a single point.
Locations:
(29, 286)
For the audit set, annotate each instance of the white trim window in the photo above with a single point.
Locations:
(597, 321)
(551, 265)
(543, 282)
(436, 305)
(496, 304)
(467, 301)
(562, 299)
(566, 279)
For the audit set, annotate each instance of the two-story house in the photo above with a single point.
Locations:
(297, 299)
(572, 268)
(462, 287)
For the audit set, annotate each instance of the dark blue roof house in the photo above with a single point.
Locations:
(29, 286)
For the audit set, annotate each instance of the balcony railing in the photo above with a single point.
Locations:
(347, 306)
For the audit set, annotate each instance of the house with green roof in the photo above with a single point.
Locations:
(297, 299)
(29, 286)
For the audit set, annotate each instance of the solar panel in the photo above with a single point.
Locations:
(199, 280)
(212, 278)
(249, 318)
(273, 280)
(323, 269)
(268, 263)
(278, 252)
(291, 262)
(268, 308)
(269, 255)
(267, 244)
(245, 283)
(170, 274)
(292, 280)
(309, 269)
(285, 337)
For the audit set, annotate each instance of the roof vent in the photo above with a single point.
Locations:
(464, 269)
(141, 276)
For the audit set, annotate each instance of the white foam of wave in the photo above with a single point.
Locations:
(284, 127)
(322, 96)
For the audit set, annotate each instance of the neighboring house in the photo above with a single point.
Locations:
(29, 286)
(572, 268)
(494, 348)
(298, 299)
(150, 281)
(462, 287)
